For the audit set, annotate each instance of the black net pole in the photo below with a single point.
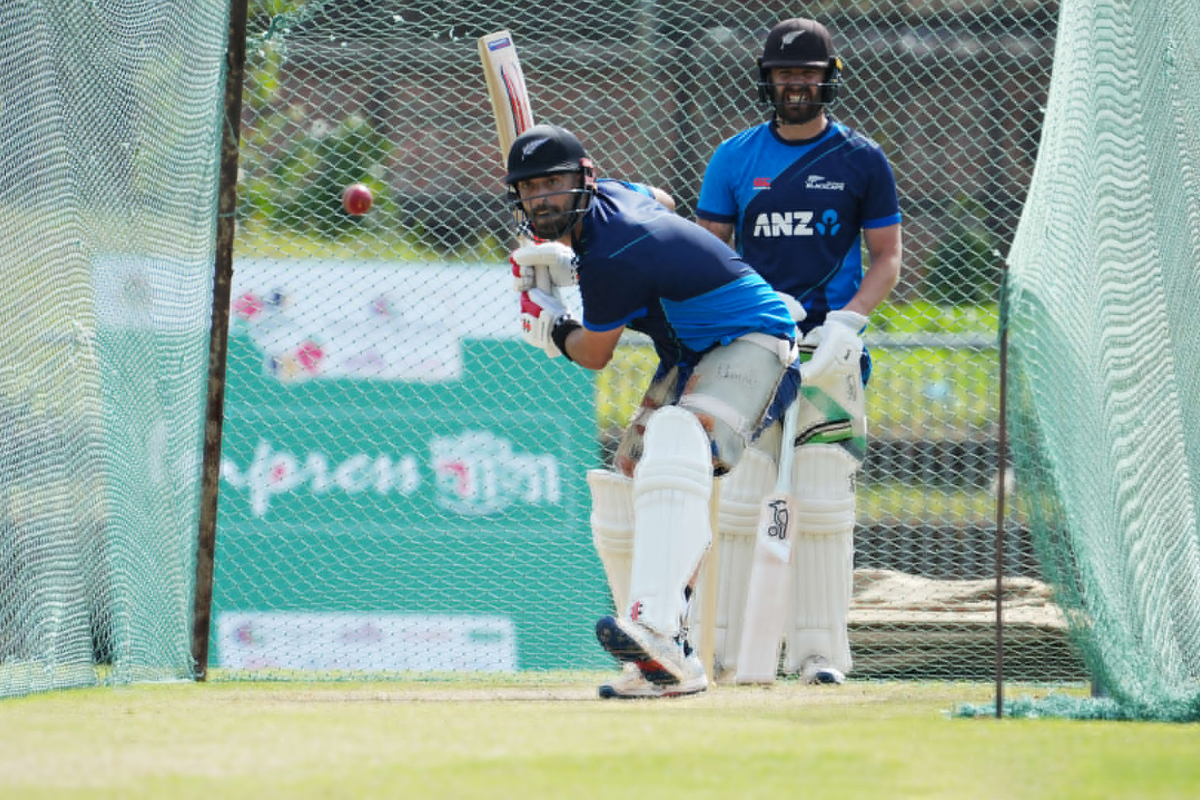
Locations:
(214, 417)
(1001, 480)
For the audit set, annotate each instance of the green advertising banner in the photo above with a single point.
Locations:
(403, 483)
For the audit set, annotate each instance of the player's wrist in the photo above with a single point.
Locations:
(561, 330)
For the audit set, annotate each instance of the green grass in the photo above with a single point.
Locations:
(546, 736)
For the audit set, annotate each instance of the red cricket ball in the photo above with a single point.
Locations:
(356, 199)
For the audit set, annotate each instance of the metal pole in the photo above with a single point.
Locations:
(1001, 476)
(206, 540)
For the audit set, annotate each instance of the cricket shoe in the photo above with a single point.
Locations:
(632, 684)
(817, 669)
(660, 659)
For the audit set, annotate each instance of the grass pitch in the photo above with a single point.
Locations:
(534, 736)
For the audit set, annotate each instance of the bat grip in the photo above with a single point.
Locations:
(541, 279)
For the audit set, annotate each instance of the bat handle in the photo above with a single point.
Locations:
(787, 447)
(541, 279)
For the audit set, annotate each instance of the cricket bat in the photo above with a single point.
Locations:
(770, 570)
(510, 105)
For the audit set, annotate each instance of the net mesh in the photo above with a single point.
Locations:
(403, 479)
(1103, 280)
(107, 203)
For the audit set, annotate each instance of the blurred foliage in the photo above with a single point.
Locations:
(300, 189)
(964, 268)
(926, 316)
(915, 390)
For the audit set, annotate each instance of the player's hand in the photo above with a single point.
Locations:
(540, 312)
(558, 259)
(838, 346)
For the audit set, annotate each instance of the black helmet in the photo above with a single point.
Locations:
(544, 150)
(800, 43)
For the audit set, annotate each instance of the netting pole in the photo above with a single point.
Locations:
(214, 415)
(1001, 479)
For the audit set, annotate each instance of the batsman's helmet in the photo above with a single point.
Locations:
(800, 43)
(546, 150)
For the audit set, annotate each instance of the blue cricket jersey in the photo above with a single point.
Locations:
(798, 208)
(645, 267)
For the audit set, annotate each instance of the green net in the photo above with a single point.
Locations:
(1103, 282)
(403, 479)
(108, 146)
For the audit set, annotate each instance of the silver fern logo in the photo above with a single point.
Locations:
(529, 148)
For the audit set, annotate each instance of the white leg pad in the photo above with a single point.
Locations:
(671, 488)
(612, 530)
(822, 557)
(742, 490)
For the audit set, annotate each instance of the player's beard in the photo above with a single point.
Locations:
(550, 222)
(797, 113)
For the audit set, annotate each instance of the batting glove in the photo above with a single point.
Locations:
(556, 258)
(838, 346)
(540, 313)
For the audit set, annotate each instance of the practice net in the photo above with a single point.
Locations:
(108, 144)
(1104, 276)
(404, 479)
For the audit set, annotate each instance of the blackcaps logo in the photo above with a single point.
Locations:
(529, 148)
(821, 182)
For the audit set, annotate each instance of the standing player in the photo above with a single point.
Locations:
(799, 195)
(727, 368)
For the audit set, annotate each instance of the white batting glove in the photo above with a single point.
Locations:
(838, 346)
(556, 258)
(540, 312)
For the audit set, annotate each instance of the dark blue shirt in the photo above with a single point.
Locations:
(645, 267)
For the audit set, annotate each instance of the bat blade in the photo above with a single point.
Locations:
(767, 596)
(510, 106)
(506, 88)
(770, 569)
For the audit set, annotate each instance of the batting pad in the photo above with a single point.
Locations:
(612, 530)
(742, 491)
(822, 557)
(671, 488)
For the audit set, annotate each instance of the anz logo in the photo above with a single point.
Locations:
(795, 223)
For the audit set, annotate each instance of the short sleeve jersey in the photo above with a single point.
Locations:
(798, 208)
(645, 267)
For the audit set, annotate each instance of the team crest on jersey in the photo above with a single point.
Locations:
(821, 182)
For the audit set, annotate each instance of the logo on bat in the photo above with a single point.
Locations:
(780, 517)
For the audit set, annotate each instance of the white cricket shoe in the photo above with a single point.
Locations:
(817, 669)
(632, 684)
(662, 661)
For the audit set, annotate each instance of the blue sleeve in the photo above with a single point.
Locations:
(717, 202)
(882, 206)
(640, 188)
